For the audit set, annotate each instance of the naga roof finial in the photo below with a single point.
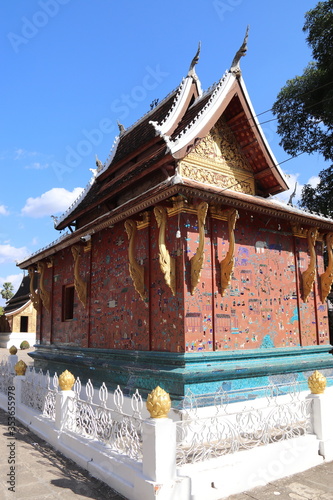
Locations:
(235, 65)
(195, 60)
(121, 127)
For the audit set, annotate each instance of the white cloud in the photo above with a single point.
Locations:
(314, 181)
(8, 253)
(22, 153)
(53, 201)
(37, 166)
(3, 210)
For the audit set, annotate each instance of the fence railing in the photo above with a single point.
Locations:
(115, 428)
(226, 431)
(201, 429)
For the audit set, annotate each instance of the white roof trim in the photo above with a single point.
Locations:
(191, 131)
(262, 135)
(16, 311)
(176, 108)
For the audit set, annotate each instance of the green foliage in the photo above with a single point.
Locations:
(304, 106)
(7, 291)
(24, 344)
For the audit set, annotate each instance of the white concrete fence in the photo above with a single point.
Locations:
(188, 453)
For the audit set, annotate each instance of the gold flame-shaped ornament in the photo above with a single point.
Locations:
(66, 380)
(13, 350)
(158, 403)
(20, 367)
(317, 383)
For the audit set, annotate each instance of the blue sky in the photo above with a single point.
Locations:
(72, 68)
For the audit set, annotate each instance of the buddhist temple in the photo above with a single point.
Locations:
(180, 268)
(19, 318)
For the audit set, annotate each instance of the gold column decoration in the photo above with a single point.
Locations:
(317, 383)
(33, 295)
(326, 279)
(158, 403)
(13, 350)
(20, 367)
(309, 275)
(66, 381)
(135, 269)
(198, 259)
(228, 263)
(79, 283)
(44, 294)
(167, 263)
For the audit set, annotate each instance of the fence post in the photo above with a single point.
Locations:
(322, 414)
(159, 439)
(66, 382)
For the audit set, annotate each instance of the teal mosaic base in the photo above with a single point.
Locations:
(201, 373)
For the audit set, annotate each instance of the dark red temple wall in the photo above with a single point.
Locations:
(166, 309)
(261, 306)
(75, 331)
(119, 317)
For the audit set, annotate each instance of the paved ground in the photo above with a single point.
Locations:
(42, 473)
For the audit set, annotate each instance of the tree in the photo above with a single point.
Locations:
(7, 291)
(304, 106)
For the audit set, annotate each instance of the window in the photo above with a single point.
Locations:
(68, 303)
(24, 320)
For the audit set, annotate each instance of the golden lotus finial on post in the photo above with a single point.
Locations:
(317, 383)
(20, 367)
(158, 403)
(13, 350)
(66, 380)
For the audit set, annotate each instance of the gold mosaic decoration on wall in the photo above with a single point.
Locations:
(136, 270)
(218, 160)
(228, 263)
(198, 258)
(167, 263)
(326, 279)
(309, 275)
(44, 294)
(79, 283)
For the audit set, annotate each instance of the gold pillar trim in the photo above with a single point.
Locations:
(44, 294)
(180, 205)
(79, 283)
(228, 263)
(198, 258)
(33, 294)
(136, 270)
(50, 262)
(317, 383)
(326, 279)
(167, 263)
(66, 381)
(13, 349)
(142, 224)
(308, 276)
(20, 368)
(301, 232)
(87, 246)
(158, 403)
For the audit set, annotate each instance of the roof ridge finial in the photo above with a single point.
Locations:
(121, 127)
(194, 62)
(235, 65)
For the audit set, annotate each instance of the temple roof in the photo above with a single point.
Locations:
(153, 146)
(21, 297)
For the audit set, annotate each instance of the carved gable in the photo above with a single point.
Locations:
(218, 160)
